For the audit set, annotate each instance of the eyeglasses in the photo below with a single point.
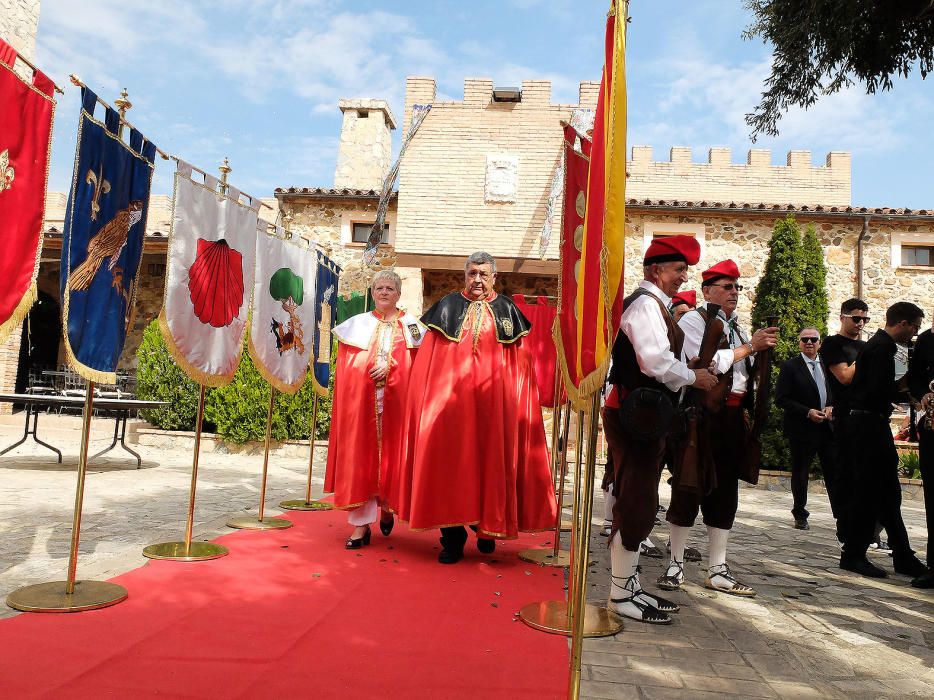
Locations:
(809, 340)
(857, 319)
(728, 287)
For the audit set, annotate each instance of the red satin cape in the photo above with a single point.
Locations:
(474, 442)
(358, 461)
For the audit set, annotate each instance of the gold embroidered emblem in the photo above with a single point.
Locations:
(108, 242)
(101, 186)
(507, 327)
(6, 171)
(324, 327)
(414, 332)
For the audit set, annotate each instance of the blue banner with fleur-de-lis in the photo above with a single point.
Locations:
(102, 247)
(325, 318)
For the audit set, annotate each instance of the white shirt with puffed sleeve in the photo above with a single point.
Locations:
(643, 324)
(692, 323)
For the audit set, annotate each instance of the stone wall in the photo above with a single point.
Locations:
(19, 22)
(721, 180)
(745, 239)
(448, 204)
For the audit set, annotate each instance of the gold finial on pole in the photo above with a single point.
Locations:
(225, 170)
(122, 103)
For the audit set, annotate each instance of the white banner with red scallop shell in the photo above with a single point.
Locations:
(283, 326)
(209, 276)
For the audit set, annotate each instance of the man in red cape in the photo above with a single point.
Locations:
(474, 440)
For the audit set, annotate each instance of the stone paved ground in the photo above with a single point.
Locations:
(813, 631)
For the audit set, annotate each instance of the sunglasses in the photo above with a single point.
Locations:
(809, 340)
(729, 287)
(857, 319)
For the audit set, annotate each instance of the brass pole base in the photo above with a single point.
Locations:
(546, 557)
(552, 616)
(51, 597)
(177, 551)
(302, 504)
(251, 522)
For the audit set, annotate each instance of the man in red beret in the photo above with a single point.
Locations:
(646, 375)
(726, 427)
(681, 303)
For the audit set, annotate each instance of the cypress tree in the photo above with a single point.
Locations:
(781, 294)
(817, 306)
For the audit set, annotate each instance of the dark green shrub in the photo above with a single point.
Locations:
(237, 412)
(239, 409)
(158, 378)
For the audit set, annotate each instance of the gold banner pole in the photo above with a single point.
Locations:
(71, 595)
(554, 556)
(575, 517)
(247, 522)
(581, 561)
(188, 550)
(553, 616)
(308, 503)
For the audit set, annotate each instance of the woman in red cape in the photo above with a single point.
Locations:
(475, 450)
(374, 359)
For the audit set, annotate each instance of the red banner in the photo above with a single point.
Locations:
(25, 140)
(594, 231)
(572, 240)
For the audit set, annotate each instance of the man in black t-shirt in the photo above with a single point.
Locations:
(876, 493)
(920, 376)
(838, 354)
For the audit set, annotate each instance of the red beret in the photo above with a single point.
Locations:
(689, 298)
(671, 248)
(727, 268)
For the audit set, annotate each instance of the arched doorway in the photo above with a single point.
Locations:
(42, 332)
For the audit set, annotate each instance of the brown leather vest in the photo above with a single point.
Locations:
(625, 372)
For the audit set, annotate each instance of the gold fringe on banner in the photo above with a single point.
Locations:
(19, 313)
(89, 373)
(200, 376)
(273, 380)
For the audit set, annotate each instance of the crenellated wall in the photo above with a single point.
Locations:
(798, 182)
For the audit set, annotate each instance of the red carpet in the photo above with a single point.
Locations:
(290, 613)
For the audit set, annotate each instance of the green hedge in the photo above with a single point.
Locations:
(236, 412)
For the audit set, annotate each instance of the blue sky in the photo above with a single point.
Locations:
(259, 80)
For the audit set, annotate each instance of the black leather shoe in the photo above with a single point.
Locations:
(863, 567)
(802, 524)
(926, 581)
(486, 545)
(358, 543)
(450, 556)
(385, 526)
(909, 566)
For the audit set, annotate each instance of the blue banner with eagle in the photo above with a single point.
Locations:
(325, 319)
(102, 247)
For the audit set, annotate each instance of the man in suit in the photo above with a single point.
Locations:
(920, 376)
(803, 391)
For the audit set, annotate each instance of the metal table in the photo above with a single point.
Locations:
(120, 408)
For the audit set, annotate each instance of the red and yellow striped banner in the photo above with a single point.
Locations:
(591, 287)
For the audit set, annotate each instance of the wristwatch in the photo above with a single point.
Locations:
(749, 345)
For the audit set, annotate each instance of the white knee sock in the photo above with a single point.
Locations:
(623, 564)
(609, 500)
(717, 538)
(679, 538)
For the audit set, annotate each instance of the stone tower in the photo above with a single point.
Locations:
(366, 144)
(19, 21)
